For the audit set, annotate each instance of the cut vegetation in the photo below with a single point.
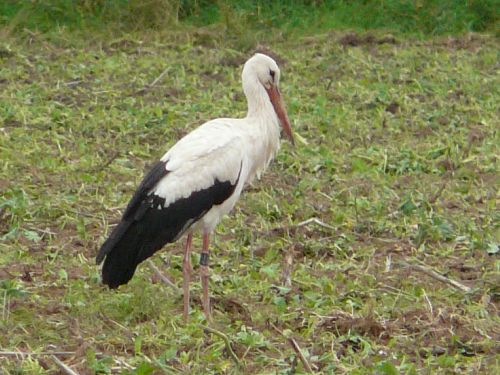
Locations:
(370, 247)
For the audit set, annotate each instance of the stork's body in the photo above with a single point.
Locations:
(198, 181)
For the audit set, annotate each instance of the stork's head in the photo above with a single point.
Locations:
(261, 70)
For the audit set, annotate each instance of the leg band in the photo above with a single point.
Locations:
(204, 259)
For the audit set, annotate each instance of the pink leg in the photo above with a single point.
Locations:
(205, 273)
(186, 272)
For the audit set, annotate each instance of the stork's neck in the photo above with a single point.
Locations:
(259, 104)
(263, 128)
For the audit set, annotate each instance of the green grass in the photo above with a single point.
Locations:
(424, 17)
(397, 154)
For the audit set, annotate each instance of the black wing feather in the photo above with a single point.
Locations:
(156, 173)
(145, 229)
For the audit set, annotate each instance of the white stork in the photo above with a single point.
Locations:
(198, 181)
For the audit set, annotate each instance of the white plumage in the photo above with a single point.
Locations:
(200, 179)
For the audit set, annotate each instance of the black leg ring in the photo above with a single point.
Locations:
(204, 259)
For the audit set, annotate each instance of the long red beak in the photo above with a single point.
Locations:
(279, 108)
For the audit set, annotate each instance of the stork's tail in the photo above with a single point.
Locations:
(120, 254)
(133, 241)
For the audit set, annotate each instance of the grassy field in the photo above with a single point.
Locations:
(396, 159)
(261, 17)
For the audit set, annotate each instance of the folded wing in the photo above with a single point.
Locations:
(199, 172)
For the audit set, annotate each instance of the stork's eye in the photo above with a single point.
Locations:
(272, 73)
